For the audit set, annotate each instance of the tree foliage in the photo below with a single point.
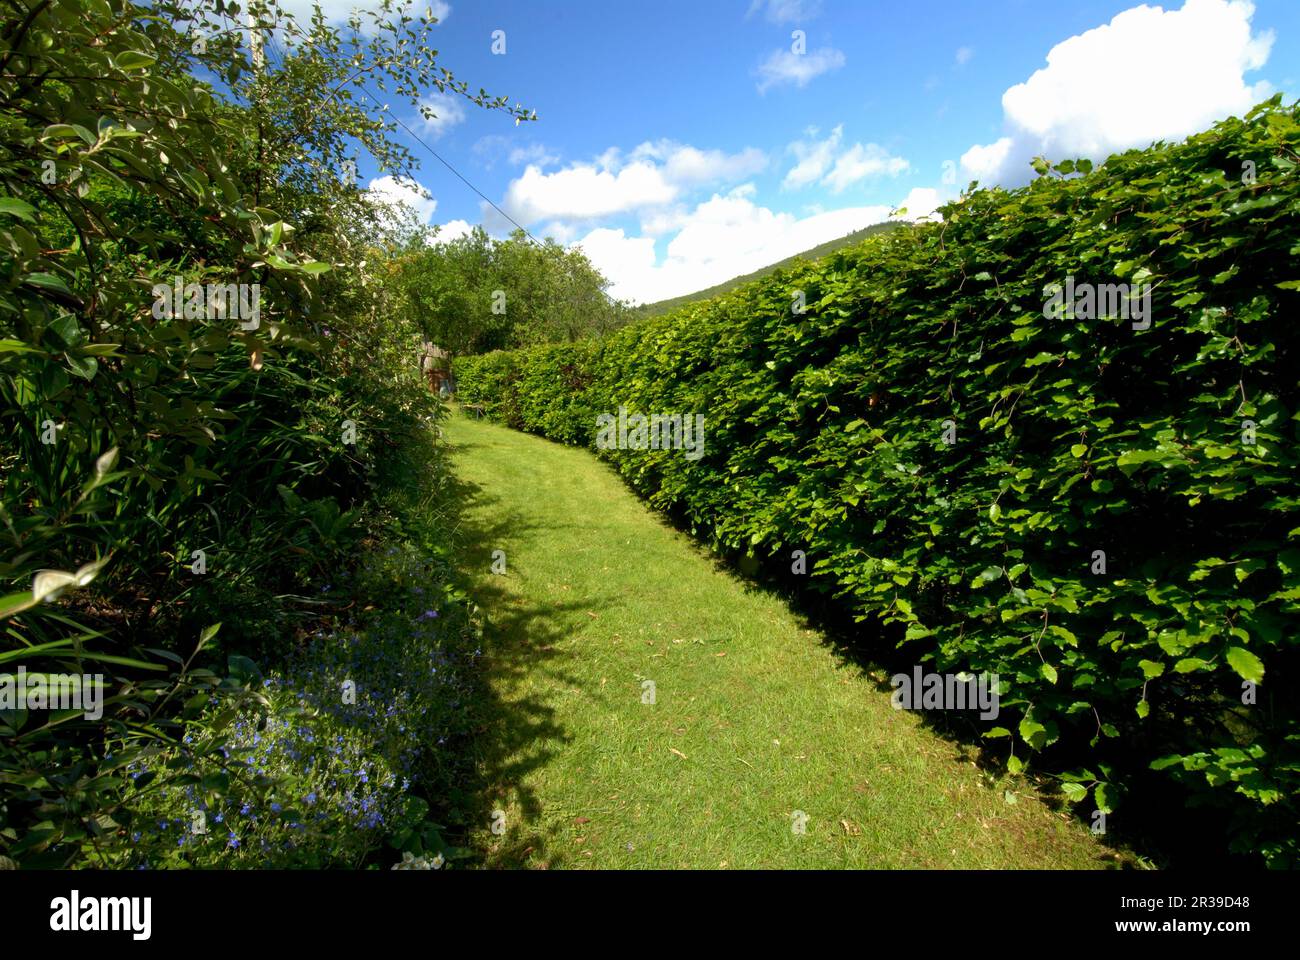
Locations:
(475, 294)
(166, 471)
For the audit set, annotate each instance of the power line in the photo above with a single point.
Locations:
(418, 139)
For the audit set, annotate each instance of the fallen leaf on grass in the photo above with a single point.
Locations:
(678, 752)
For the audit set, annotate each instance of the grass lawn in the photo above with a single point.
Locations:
(755, 720)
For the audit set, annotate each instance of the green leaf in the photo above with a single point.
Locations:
(1033, 733)
(133, 60)
(18, 208)
(1248, 666)
(47, 281)
(1151, 668)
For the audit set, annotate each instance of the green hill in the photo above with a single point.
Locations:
(817, 252)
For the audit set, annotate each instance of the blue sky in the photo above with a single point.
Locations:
(682, 143)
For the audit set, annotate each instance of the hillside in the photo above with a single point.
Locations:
(815, 253)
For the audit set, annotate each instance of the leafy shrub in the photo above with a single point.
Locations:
(1172, 449)
(330, 762)
(160, 471)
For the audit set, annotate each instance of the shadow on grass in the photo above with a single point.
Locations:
(518, 734)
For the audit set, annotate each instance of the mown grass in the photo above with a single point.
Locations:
(755, 717)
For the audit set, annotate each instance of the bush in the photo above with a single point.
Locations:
(166, 470)
(1108, 530)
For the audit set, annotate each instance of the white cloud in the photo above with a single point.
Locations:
(401, 192)
(861, 161)
(788, 67)
(1149, 74)
(447, 111)
(654, 175)
(535, 154)
(686, 165)
(582, 192)
(724, 237)
(786, 11)
(964, 55)
(453, 230)
(815, 158)
(920, 204)
(494, 147)
(558, 230)
(984, 163)
(663, 220)
(824, 162)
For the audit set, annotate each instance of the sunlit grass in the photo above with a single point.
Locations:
(755, 717)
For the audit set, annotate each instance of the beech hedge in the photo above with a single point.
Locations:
(1096, 505)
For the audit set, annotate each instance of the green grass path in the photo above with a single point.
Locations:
(755, 718)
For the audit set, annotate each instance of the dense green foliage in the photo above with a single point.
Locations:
(1170, 448)
(475, 294)
(167, 472)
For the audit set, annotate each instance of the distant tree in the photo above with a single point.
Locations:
(475, 293)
